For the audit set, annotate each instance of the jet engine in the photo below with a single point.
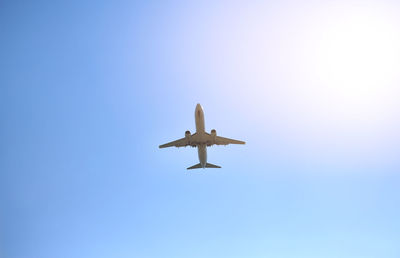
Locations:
(213, 135)
(187, 135)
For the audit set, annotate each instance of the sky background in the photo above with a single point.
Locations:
(89, 89)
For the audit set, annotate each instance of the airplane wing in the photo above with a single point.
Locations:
(225, 141)
(178, 143)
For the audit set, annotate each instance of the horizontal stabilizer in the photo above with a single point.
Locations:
(208, 165)
(195, 166)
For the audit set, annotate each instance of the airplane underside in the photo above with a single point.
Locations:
(201, 139)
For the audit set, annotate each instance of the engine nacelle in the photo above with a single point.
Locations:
(213, 135)
(188, 135)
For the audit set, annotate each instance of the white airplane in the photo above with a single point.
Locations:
(201, 140)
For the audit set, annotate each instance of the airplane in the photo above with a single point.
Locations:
(201, 139)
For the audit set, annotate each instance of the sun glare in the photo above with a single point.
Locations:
(360, 50)
(357, 60)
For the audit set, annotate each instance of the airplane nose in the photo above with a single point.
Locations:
(198, 106)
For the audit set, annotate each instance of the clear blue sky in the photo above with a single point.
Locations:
(89, 89)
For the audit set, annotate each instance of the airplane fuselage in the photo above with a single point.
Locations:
(200, 132)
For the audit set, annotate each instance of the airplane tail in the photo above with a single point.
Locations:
(208, 165)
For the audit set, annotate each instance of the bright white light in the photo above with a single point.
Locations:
(323, 79)
(358, 61)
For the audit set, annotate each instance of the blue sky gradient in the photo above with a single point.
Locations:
(89, 89)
